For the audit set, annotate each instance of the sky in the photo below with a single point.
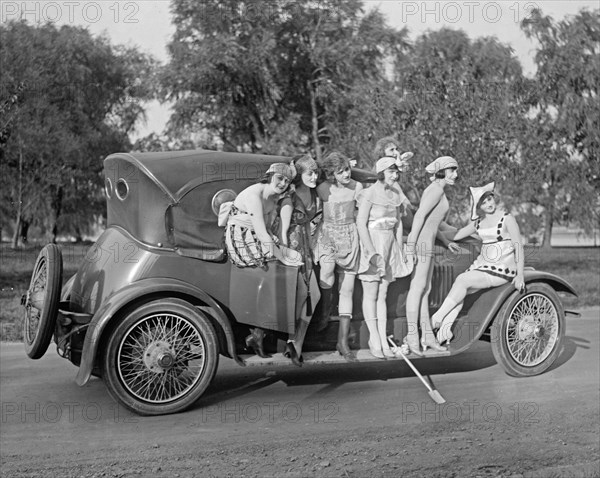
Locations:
(147, 24)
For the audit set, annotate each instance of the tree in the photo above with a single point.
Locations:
(563, 140)
(78, 98)
(463, 98)
(273, 76)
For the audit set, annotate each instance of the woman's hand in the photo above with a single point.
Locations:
(454, 247)
(519, 283)
(411, 252)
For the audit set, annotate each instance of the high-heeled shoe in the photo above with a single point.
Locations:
(348, 355)
(432, 344)
(377, 353)
(387, 353)
(256, 343)
(445, 334)
(413, 345)
(291, 353)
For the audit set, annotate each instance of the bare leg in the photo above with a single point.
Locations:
(466, 283)
(418, 284)
(428, 339)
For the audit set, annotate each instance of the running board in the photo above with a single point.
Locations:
(572, 312)
(318, 358)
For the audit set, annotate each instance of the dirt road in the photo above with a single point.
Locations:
(360, 420)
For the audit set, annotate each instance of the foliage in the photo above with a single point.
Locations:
(272, 76)
(563, 139)
(462, 98)
(78, 98)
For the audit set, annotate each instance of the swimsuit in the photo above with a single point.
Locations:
(389, 261)
(497, 252)
(338, 238)
(243, 246)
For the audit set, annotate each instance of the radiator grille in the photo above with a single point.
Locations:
(441, 282)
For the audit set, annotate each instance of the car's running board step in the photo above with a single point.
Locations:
(314, 358)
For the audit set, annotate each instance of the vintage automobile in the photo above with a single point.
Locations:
(155, 302)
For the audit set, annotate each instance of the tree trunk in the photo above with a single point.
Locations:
(548, 222)
(24, 232)
(17, 231)
(314, 119)
(56, 205)
(19, 216)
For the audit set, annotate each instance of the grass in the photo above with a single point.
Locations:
(578, 266)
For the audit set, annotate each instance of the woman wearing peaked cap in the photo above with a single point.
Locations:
(501, 258)
(425, 228)
(382, 259)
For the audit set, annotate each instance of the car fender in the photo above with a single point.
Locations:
(65, 292)
(143, 288)
(485, 305)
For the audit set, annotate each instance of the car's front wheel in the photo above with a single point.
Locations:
(161, 358)
(528, 330)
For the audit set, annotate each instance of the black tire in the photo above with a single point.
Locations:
(41, 301)
(527, 333)
(161, 358)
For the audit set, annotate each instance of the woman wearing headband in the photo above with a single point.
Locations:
(501, 259)
(426, 227)
(382, 260)
(249, 238)
(300, 213)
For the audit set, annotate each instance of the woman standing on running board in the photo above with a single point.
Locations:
(382, 259)
(501, 259)
(427, 225)
(337, 247)
(299, 215)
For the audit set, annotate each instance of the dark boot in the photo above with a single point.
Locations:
(321, 317)
(342, 343)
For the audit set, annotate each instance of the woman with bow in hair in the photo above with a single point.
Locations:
(501, 259)
(382, 258)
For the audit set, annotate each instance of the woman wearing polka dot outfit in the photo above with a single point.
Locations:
(501, 259)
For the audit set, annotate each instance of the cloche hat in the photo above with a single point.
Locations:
(477, 194)
(443, 162)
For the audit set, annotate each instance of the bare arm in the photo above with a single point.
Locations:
(254, 206)
(515, 236)
(364, 209)
(287, 208)
(466, 231)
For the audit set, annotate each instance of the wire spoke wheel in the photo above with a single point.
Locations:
(161, 358)
(528, 330)
(532, 330)
(41, 301)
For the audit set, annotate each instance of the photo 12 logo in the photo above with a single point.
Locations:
(69, 12)
(471, 12)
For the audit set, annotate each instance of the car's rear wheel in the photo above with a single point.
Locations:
(41, 301)
(528, 330)
(161, 358)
